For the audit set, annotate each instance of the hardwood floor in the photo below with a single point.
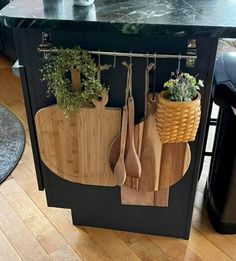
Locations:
(29, 230)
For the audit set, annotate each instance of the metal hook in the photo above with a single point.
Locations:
(46, 55)
(99, 58)
(155, 61)
(179, 61)
(130, 57)
(154, 77)
(147, 58)
(114, 60)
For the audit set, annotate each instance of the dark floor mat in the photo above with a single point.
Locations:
(12, 142)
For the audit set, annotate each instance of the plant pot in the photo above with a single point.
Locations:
(177, 121)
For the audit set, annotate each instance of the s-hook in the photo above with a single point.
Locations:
(179, 63)
(101, 67)
(130, 57)
(147, 59)
(99, 58)
(154, 77)
(114, 60)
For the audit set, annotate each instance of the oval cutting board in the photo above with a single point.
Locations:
(77, 149)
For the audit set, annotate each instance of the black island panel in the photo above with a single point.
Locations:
(133, 25)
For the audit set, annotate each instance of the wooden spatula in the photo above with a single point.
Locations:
(132, 162)
(119, 169)
(151, 151)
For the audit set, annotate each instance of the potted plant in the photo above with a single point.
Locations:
(178, 109)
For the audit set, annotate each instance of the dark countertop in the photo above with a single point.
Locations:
(215, 18)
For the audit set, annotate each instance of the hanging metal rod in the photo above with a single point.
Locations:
(121, 54)
(145, 55)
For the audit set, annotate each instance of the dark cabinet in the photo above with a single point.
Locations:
(97, 205)
(4, 3)
(7, 44)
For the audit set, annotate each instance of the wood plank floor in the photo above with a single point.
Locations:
(29, 230)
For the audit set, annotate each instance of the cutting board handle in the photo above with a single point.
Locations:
(100, 103)
(75, 79)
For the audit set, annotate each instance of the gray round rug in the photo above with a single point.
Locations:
(12, 142)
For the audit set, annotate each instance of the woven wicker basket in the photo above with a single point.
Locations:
(177, 121)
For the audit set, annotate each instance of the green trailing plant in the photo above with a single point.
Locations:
(55, 69)
(183, 87)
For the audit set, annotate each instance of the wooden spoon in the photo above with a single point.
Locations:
(119, 170)
(138, 133)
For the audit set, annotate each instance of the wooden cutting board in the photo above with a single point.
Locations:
(77, 149)
(175, 161)
(130, 196)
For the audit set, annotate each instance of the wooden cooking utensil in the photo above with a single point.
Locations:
(120, 168)
(151, 147)
(115, 152)
(169, 174)
(138, 134)
(151, 151)
(130, 196)
(138, 139)
(132, 163)
(133, 182)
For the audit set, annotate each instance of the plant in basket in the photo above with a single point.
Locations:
(179, 109)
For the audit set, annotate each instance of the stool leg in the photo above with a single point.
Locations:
(205, 138)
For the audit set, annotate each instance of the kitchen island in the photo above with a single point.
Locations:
(162, 27)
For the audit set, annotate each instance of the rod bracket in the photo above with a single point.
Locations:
(46, 45)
